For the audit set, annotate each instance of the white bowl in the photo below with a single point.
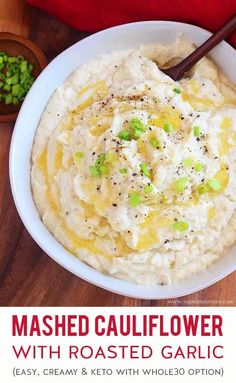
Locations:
(121, 37)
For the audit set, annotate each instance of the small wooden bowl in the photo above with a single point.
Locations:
(15, 45)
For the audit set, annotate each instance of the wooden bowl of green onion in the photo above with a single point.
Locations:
(21, 61)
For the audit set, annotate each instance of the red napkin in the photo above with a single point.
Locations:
(94, 15)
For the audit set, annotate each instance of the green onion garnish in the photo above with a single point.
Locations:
(214, 184)
(177, 90)
(137, 127)
(111, 157)
(77, 156)
(181, 226)
(145, 170)
(94, 171)
(148, 189)
(124, 135)
(196, 131)
(134, 199)
(187, 162)
(198, 167)
(155, 142)
(168, 128)
(100, 160)
(104, 170)
(137, 124)
(100, 167)
(136, 134)
(122, 170)
(180, 184)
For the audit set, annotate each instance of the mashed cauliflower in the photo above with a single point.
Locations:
(135, 173)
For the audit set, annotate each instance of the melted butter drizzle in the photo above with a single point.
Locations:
(75, 241)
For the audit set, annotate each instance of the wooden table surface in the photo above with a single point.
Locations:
(28, 277)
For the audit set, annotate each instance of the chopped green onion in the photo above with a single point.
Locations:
(100, 160)
(15, 89)
(7, 87)
(77, 156)
(214, 184)
(15, 101)
(16, 78)
(177, 90)
(11, 60)
(123, 170)
(27, 84)
(137, 124)
(23, 66)
(94, 171)
(198, 167)
(187, 162)
(124, 135)
(19, 59)
(134, 199)
(9, 81)
(104, 170)
(15, 68)
(148, 189)
(181, 226)
(180, 184)
(8, 99)
(31, 67)
(168, 128)
(100, 168)
(137, 134)
(111, 156)
(9, 66)
(196, 131)
(145, 170)
(155, 142)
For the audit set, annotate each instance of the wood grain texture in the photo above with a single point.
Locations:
(27, 275)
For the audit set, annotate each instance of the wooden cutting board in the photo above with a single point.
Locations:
(27, 275)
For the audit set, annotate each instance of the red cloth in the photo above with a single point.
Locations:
(94, 15)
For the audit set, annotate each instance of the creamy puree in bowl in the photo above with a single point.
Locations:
(134, 173)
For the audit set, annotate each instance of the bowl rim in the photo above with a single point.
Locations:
(106, 282)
